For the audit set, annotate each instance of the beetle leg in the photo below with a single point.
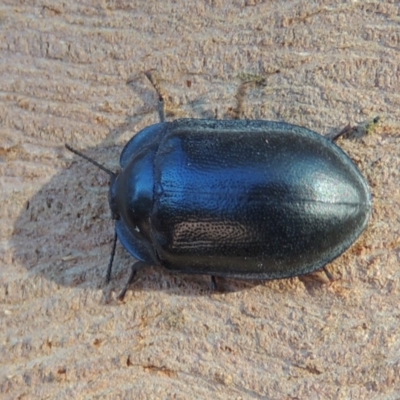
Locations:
(110, 263)
(328, 274)
(135, 268)
(362, 129)
(335, 136)
(238, 112)
(161, 108)
(214, 283)
(130, 281)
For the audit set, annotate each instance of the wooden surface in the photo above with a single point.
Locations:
(74, 72)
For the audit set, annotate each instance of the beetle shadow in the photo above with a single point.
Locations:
(64, 233)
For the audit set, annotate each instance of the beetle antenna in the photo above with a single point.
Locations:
(102, 167)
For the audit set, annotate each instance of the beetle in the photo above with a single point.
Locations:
(249, 199)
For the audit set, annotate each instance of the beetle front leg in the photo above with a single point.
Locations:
(110, 263)
(135, 268)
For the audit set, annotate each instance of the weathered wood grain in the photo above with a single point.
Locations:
(73, 72)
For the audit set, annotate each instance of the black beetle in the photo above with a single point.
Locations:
(235, 198)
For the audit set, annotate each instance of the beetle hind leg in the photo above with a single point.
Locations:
(360, 130)
(336, 135)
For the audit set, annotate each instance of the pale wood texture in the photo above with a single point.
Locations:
(73, 72)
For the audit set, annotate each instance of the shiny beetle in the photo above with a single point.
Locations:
(246, 199)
